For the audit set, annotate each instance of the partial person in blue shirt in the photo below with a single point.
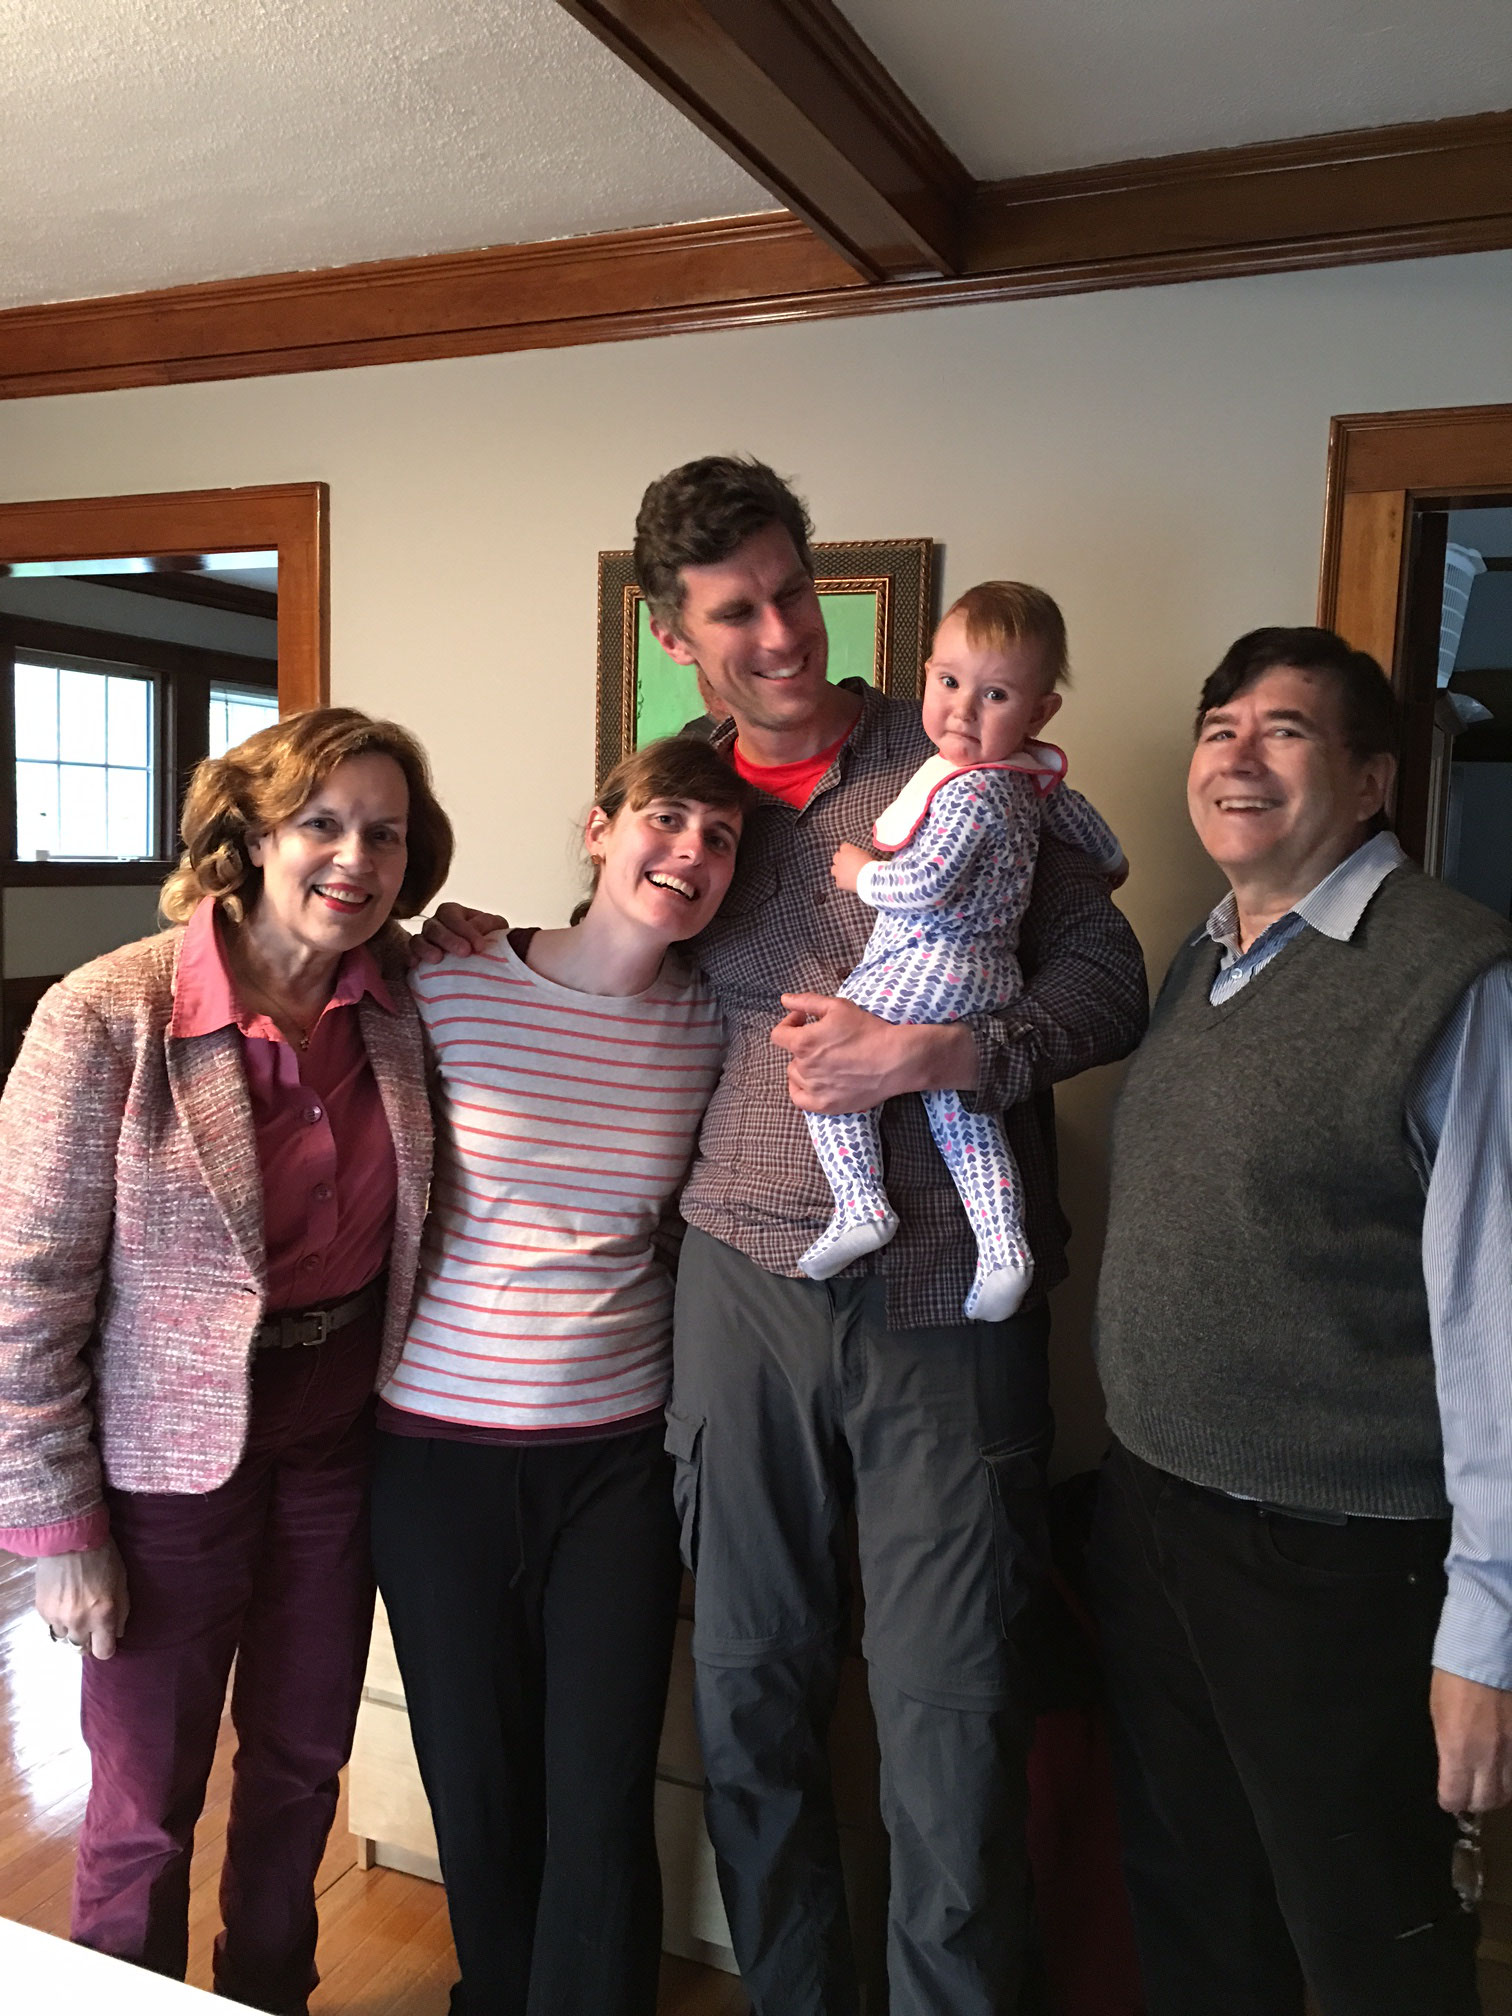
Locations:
(1458, 1125)
(1304, 1548)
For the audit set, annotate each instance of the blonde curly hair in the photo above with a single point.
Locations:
(266, 779)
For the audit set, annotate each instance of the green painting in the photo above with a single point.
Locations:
(666, 693)
(877, 597)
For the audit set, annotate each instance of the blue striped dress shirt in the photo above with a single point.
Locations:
(1459, 1132)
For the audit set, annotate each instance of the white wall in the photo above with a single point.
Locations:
(1155, 457)
(54, 930)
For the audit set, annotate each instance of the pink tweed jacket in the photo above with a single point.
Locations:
(132, 1269)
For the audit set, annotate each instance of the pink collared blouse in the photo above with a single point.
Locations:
(323, 1146)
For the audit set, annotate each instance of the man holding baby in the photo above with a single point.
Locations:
(797, 1398)
(900, 1373)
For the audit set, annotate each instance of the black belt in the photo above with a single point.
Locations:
(1263, 1508)
(313, 1326)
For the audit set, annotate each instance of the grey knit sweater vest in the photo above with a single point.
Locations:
(1262, 1325)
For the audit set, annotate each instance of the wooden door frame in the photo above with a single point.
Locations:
(293, 518)
(1381, 466)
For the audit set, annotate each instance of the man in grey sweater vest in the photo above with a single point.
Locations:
(1305, 1335)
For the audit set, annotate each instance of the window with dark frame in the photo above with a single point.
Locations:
(99, 733)
(86, 760)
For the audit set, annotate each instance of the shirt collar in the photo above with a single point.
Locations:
(204, 994)
(1334, 907)
(855, 736)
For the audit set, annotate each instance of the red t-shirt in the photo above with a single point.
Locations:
(793, 783)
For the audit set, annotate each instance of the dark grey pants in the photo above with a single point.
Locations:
(792, 1401)
(1268, 1680)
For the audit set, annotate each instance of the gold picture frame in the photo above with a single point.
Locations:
(878, 598)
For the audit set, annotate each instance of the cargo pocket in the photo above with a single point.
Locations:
(1020, 1536)
(685, 1447)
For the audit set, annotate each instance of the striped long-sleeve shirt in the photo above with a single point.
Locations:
(567, 1124)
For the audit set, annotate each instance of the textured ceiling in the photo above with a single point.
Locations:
(145, 143)
(148, 142)
(1017, 86)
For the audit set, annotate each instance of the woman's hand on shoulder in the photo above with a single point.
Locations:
(454, 928)
(83, 1598)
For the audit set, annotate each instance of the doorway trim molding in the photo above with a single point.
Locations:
(1379, 464)
(1378, 556)
(293, 518)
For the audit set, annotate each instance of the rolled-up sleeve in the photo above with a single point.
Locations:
(1085, 998)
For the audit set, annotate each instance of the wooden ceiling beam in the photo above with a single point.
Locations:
(1406, 192)
(790, 91)
(1383, 192)
(443, 304)
(205, 591)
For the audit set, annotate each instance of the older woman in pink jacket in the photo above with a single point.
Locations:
(215, 1148)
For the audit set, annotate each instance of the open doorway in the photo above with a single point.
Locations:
(137, 635)
(1468, 837)
(1417, 570)
(117, 675)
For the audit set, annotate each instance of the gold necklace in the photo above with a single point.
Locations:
(275, 1010)
(279, 1015)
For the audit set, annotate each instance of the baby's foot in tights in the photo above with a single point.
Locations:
(844, 1240)
(996, 1293)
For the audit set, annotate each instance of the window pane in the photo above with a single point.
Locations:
(129, 722)
(81, 809)
(36, 810)
(81, 718)
(36, 712)
(129, 821)
(245, 717)
(237, 712)
(95, 798)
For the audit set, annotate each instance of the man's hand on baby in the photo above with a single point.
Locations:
(841, 1059)
(846, 864)
(454, 928)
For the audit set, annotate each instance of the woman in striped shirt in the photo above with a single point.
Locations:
(523, 1524)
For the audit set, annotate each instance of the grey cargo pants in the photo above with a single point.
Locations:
(792, 1400)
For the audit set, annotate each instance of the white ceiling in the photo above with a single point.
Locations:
(1019, 86)
(145, 143)
(150, 142)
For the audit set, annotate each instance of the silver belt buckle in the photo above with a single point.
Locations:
(317, 1321)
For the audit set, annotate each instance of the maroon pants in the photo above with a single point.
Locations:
(272, 1568)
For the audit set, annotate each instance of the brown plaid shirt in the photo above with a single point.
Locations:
(785, 928)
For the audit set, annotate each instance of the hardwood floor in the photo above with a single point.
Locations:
(385, 1947)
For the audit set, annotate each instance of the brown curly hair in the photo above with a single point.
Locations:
(696, 515)
(266, 779)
